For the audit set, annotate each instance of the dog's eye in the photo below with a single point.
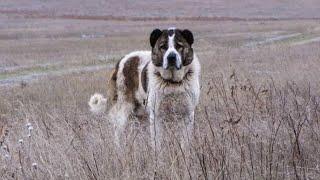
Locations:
(179, 46)
(163, 47)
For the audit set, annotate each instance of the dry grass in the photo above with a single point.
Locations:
(258, 117)
(243, 131)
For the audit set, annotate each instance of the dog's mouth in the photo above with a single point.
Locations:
(172, 80)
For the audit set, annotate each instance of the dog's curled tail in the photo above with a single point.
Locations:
(97, 103)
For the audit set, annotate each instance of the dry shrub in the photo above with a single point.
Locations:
(243, 131)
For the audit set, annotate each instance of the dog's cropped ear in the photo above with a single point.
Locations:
(154, 36)
(187, 34)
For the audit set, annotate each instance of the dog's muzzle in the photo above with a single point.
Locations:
(172, 61)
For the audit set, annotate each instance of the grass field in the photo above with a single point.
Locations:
(258, 117)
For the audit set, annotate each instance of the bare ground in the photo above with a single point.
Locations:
(167, 8)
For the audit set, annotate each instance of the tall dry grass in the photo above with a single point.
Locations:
(242, 131)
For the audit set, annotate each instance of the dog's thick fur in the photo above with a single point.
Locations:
(162, 84)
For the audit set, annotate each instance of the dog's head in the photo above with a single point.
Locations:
(171, 53)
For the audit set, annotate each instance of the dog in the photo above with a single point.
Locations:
(160, 86)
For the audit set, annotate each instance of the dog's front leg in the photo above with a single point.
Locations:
(118, 135)
(186, 139)
(156, 139)
(155, 133)
(187, 132)
(190, 126)
(155, 130)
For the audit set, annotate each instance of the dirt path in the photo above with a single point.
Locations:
(10, 81)
(272, 39)
(316, 39)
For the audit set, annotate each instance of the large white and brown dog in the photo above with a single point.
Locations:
(162, 83)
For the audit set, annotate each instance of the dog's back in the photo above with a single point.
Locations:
(127, 84)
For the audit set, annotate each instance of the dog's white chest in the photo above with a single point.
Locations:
(174, 106)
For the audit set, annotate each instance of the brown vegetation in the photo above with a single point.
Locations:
(243, 131)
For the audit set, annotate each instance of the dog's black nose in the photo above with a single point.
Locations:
(172, 58)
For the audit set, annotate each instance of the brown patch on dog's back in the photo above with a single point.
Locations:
(144, 78)
(131, 77)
